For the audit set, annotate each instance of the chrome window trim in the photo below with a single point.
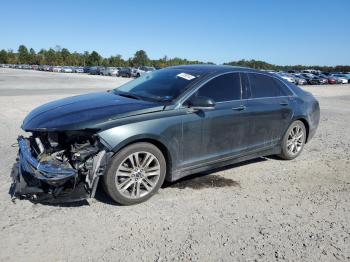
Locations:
(184, 98)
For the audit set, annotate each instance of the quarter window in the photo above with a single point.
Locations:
(226, 87)
(264, 86)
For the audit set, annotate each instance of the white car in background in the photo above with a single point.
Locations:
(139, 71)
(287, 77)
(342, 78)
(78, 69)
(111, 71)
(66, 69)
(56, 69)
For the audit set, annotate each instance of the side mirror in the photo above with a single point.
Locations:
(201, 102)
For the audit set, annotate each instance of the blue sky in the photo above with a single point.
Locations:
(279, 32)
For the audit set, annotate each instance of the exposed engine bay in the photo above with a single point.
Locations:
(58, 166)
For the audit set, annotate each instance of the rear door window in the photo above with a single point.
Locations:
(264, 86)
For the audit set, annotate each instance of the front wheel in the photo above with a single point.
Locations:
(135, 174)
(293, 141)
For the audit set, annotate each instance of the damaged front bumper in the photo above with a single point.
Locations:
(52, 182)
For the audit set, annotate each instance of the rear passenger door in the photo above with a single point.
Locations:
(269, 105)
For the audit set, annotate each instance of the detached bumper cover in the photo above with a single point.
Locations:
(44, 182)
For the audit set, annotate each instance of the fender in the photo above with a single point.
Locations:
(167, 133)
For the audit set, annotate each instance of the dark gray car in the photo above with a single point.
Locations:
(162, 126)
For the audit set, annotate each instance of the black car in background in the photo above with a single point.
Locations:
(165, 125)
(86, 69)
(95, 70)
(313, 79)
(125, 72)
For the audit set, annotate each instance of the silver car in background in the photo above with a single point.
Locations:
(111, 71)
(139, 71)
(290, 78)
(66, 69)
(78, 69)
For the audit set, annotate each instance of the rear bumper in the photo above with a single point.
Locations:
(44, 182)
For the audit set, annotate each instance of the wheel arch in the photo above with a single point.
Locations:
(157, 143)
(306, 124)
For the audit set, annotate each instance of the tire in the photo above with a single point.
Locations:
(293, 140)
(129, 183)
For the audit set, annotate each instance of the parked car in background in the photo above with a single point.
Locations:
(55, 69)
(95, 70)
(330, 79)
(67, 69)
(286, 76)
(102, 71)
(125, 72)
(42, 67)
(139, 71)
(299, 80)
(342, 77)
(311, 79)
(78, 69)
(112, 71)
(87, 69)
(323, 80)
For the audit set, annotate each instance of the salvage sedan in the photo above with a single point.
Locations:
(165, 125)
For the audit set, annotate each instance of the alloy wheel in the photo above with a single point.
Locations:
(295, 140)
(137, 175)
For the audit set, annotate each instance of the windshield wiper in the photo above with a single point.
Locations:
(129, 95)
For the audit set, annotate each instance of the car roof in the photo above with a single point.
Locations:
(208, 68)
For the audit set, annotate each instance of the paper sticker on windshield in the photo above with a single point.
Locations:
(186, 76)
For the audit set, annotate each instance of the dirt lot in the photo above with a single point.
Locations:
(264, 210)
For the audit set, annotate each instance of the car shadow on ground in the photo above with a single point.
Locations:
(209, 179)
(196, 181)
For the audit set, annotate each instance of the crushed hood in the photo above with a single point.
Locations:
(85, 112)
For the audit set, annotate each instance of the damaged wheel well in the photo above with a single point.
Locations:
(161, 147)
(306, 124)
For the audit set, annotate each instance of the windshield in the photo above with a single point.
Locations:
(161, 85)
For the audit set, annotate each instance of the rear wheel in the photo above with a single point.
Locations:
(293, 141)
(135, 174)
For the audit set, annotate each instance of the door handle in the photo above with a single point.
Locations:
(239, 108)
(284, 103)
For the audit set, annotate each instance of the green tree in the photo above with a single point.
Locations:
(12, 58)
(23, 55)
(3, 57)
(65, 54)
(94, 59)
(140, 59)
(32, 57)
(50, 57)
(116, 61)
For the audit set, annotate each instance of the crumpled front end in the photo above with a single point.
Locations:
(58, 167)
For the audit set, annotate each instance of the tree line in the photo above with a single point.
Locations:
(266, 66)
(62, 56)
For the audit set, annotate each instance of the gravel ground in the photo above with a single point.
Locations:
(261, 210)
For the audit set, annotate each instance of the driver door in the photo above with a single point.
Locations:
(213, 134)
